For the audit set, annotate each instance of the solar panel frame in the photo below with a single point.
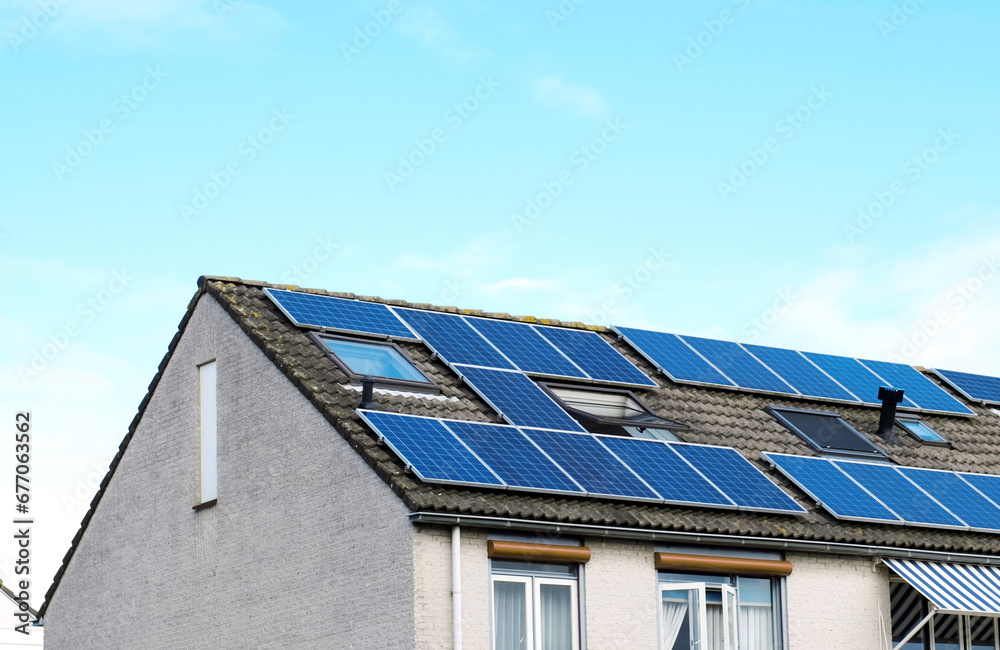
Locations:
(742, 368)
(663, 457)
(987, 390)
(555, 363)
(889, 492)
(511, 463)
(726, 481)
(455, 445)
(653, 351)
(855, 377)
(395, 329)
(830, 389)
(517, 408)
(452, 338)
(970, 503)
(919, 389)
(842, 479)
(595, 356)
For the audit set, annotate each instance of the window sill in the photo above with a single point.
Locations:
(207, 504)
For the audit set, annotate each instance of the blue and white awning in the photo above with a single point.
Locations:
(953, 588)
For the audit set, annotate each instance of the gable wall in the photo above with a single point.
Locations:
(304, 548)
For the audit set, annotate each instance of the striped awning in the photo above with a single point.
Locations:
(953, 588)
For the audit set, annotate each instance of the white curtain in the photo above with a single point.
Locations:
(756, 627)
(716, 629)
(557, 617)
(510, 603)
(674, 615)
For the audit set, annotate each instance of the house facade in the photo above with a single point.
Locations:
(298, 478)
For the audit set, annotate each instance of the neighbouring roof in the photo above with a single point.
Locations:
(714, 416)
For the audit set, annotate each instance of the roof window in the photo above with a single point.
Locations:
(916, 427)
(826, 432)
(615, 412)
(386, 362)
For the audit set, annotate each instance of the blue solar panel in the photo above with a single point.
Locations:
(595, 355)
(338, 314)
(957, 496)
(979, 388)
(665, 471)
(453, 338)
(738, 364)
(737, 478)
(831, 488)
(987, 484)
(921, 390)
(671, 355)
(435, 455)
(518, 399)
(904, 498)
(800, 373)
(854, 377)
(513, 457)
(526, 347)
(593, 466)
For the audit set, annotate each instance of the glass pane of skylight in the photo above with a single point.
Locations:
(922, 431)
(376, 360)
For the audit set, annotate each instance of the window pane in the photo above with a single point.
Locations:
(983, 633)
(716, 624)
(676, 621)
(376, 360)
(510, 607)
(908, 609)
(946, 632)
(557, 617)
(756, 616)
(563, 570)
(922, 431)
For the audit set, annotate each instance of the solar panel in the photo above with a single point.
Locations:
(308, 309)
(957, 496)
(452, 338)
(737, 478)
(518, 399)
(903, 497)
(739, 365)
(671, 355)
(987, 484)
(591, 464)
(434, 454)
(832, 488)
(514, 458)
(800, 373)
(665, 471)
(528, 349)
(853, 376)
(921, 390)
(978, 388)
(595, 356)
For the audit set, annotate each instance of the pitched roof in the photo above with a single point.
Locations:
(715, 416)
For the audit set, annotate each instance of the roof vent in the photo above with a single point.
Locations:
(367, 392)
(887, 419)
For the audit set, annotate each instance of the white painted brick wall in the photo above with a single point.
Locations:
(300, 552)
(620, 589)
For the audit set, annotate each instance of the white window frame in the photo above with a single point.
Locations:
(532, 589)
(208, 449)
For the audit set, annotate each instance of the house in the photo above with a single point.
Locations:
(318, 470)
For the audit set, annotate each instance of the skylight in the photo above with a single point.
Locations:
(613, 411)
(826, 432)
(383, 361)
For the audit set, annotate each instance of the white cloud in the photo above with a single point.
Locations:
(428, 26)
(586, 101)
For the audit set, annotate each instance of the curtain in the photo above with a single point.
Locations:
(716, 630)
(556, 602)
(674, 615)
(510, 605)
(756, 627)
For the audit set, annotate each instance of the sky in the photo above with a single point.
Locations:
(814, 175)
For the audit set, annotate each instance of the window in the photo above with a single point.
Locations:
(948, 631)
(719, 612)
(826, 432)
(384, 361)
(535, 606)
(208, 450)
(615, 412)
(919, 429)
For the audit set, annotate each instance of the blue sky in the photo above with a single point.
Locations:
(815, 175)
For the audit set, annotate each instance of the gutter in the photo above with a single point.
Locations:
(806, 546)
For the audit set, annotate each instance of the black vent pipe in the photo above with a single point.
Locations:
(367, 392)
(890, 397)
